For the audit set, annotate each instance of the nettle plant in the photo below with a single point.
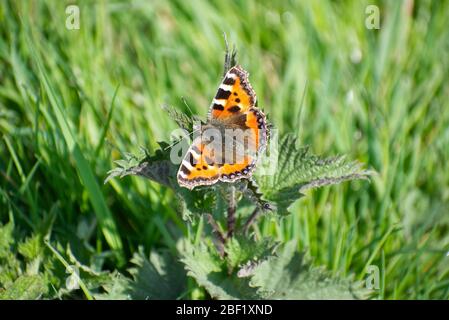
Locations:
(227, 259)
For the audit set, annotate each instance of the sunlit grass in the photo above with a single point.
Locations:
(379, 96)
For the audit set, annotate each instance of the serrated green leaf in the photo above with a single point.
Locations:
(25, 288)
(157, 278)
(9, 264)
(298, 170)
(156, 167)
(160, 277)
(291, 276)
(31, 248)
(25, 263)
(159, 168)
(241, 250)
(287, 275)
(117, 288)
(205, 266)
(6, 239)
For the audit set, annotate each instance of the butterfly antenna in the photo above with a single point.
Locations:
(191, 133)
(171, 145)
(187, 105)
(179, 140)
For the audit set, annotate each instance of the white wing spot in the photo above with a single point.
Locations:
(221, 102)
(226, 87)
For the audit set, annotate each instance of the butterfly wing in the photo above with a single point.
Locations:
(199, 166)
(205, 164)
(232, 108)
(234, 95)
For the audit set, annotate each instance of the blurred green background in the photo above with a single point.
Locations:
(71, 99)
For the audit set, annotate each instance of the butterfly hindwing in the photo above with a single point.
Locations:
(243, 144)
(231, 172)
(256, 124)
(199, 166)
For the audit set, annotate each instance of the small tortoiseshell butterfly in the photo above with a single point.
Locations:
(229, 143)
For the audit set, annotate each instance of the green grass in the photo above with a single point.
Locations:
(63, 91)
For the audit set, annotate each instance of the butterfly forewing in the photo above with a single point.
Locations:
(234, 95)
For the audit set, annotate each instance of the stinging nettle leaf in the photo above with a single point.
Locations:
(158, 277)
(159, 168)
(25, 288)
(283, 274)
(299, 170)
(203, 263)
(240, 250)
(291, 276)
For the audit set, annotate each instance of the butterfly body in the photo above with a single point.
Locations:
(228, 145)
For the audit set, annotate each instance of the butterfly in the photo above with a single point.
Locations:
(230, 142)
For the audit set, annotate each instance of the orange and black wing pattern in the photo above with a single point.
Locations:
(234, 95)
(199, 166)
(203, 166)
(233, 108)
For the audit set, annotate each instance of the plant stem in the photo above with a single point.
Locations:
(251, 220)
(231, 213)
(216, 230)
